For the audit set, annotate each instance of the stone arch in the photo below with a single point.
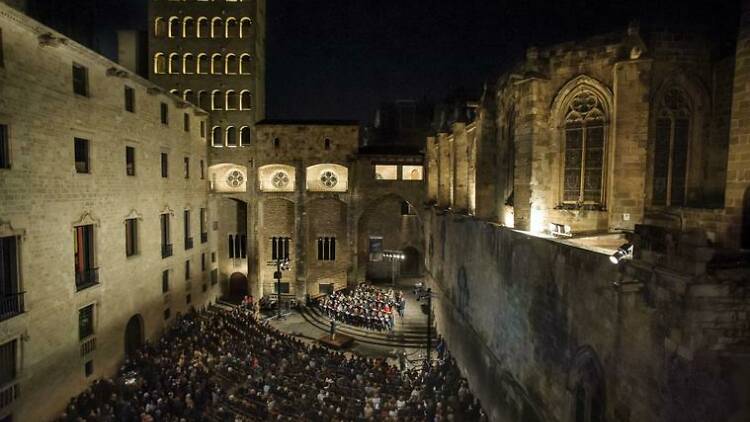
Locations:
(188, 27)
(327, 177)
(586, 384)
(203, 65)
(231, 27)
(160, 27)
(381, 222)
(173, 27)
(134, 337)
(160, 63)
(245, 64)
(217, 27)
(188, 63)
(217, 136)
(581, 111)
(216, 64)
(245, 27)
(217, 100)
(230, 64)
(245, 100)
(277, 178)
(202, 27)
(700, 178)
(174, 63)
(238, 287)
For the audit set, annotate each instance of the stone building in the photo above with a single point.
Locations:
(212, 54)
(624, 140)
(104, 215)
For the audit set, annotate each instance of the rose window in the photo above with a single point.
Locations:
(328, 179)
(280, 180)
(235, 178)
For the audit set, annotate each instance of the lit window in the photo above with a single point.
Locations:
(411, 172)
(386, 172)
(671, 150)
(326, 249)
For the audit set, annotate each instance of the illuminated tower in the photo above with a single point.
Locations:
(212, 54)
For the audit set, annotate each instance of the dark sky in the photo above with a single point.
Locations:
(338, 59)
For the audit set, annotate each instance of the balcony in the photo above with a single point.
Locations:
(87, 278)
(8, 394)
(188, 243)
(204, 237)
(166, 250)
(11, 305)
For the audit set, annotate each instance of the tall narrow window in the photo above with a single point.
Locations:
(217, 138)
(81, 151)
(165, 281)
(86, 322)
(243, 246)
(203, 128)
(186, 122)
(203, 261)
(4, 148)
(280, 248)
(80, 80)
(203, 170)
(164, 114)
(131, 237)
(231, 136)
(83, 249)
(671, 150)
(129, 99)
(326, 249)
(244, 136)
(188, 238)
(130, 161)
(186, 169)
(9, 280)
(187, 270)
(584, 150)
(164, 164)
(203, 226)
(166, 245)
(231, 246)
(8, 362)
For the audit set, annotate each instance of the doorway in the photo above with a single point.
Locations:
(134, 334)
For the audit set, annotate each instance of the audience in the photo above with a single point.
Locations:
(220, 365)
(365, 306)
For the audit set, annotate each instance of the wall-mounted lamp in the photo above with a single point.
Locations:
(624, 251)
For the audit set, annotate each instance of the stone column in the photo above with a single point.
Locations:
(432, 169)
(445, 170)
(460, 168)
(626, 149)
(737, 197)
(486, 165)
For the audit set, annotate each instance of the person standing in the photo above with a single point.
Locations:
(333, 328)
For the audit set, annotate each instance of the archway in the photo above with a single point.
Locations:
(134, 334)
(238, 285)
(412, 266)
(745, 241)
(586, 384)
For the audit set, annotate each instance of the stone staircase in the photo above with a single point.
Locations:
(409, 331)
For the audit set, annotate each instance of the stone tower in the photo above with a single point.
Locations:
(212, 54)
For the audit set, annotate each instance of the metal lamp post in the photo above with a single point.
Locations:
(282, 264)
(395, 257)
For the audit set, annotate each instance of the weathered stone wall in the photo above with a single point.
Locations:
(530, 319)
(42, 197)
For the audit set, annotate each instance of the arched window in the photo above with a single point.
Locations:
(217, 100)
(231, 28)
(174, 63)
(671, 146)
(188, 27)
(231, 100)
(160, 63)
(245, 27)
(189, 96)
(230, 64)
(217, 28)
(245, 100)
(202, 27)
(174, 26)
(216, 64)
(586, 384)
(188, 63)
(174, 92)
(204, 100)
(244, 136)
(217, 138)
(245, 61)
(231, 136)
(327, 143)
(160, 27)
(203, 67)
(584, 152)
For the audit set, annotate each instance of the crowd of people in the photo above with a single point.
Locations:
(222, 365)
(365, 306)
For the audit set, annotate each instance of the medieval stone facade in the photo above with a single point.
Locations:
(584, 147)
(104, 210)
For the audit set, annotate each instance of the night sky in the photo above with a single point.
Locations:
(339, 59)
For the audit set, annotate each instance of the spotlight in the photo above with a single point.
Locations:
(624, 251)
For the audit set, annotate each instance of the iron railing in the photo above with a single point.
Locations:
(188, 243)
(166, 250)
(11, 305)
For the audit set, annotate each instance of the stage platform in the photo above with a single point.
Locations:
(340, 341)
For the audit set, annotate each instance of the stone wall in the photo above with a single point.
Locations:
(42, 198)
(531, 320)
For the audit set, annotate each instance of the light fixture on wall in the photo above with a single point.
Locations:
(624, 251)
(559, 229)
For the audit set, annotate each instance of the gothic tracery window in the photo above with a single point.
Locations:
(671, 149)
(583, 174)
